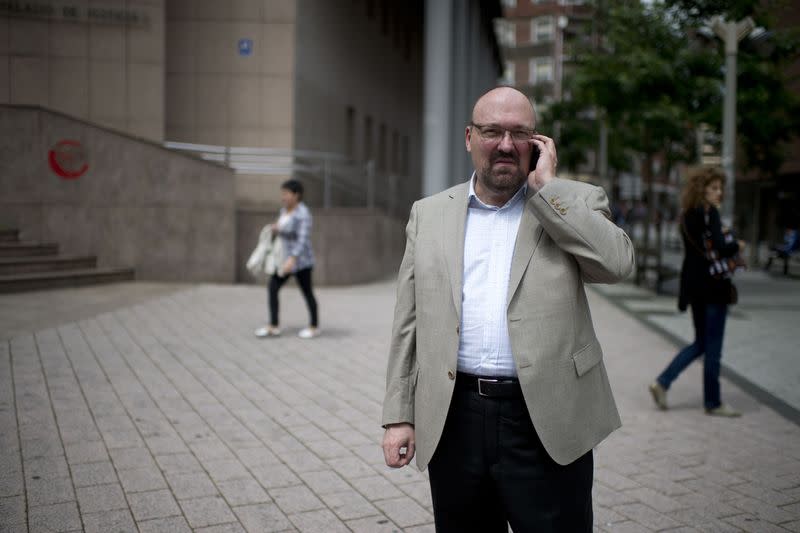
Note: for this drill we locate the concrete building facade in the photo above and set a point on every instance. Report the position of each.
(358, 93)
(101, 61)
(292, 75)
(230, 79)
(365, 101)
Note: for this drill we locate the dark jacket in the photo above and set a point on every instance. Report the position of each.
(697, 284)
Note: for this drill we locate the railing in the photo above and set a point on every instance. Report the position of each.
(345, 183)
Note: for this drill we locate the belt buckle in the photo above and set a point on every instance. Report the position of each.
(487, 380)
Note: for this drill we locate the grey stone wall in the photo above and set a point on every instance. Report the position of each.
(168, 215)
(350, 245)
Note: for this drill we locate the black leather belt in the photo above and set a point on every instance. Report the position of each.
(488, 386)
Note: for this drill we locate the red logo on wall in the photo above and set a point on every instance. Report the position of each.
(68, 159)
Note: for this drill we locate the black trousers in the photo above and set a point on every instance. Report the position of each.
(304, 280)
(490, 470)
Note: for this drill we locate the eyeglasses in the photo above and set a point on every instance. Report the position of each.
(493, 132)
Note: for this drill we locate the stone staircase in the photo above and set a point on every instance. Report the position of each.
(27, 266)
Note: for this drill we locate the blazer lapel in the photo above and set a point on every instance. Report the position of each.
(454, 220)
(528, 235)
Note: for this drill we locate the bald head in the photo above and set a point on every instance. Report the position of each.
(504, 104)
(499, 144)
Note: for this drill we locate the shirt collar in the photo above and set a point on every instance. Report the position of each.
(474, 201)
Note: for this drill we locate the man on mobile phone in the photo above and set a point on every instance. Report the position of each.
(495, 378)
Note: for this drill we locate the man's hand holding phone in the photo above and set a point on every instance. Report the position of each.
(544, 161)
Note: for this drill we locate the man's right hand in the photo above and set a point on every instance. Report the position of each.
(398, 444)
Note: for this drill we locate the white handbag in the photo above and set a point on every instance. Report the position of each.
(272, 263)
(265, 257)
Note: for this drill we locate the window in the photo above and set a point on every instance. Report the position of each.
(511, 4)
(542, 29)
(541, 70)
(367, 138)
(407, 31)
(350, 133)
(404, 157)
(509, 73)
(382, 159)
(506, 32)
(395, 152)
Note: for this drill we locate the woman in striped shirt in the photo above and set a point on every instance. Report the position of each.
(294, 229)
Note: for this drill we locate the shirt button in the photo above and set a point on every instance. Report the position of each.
(450, 374)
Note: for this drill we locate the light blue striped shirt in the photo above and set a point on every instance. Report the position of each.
(484, 347)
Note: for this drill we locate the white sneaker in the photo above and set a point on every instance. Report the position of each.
(308, 333)
(271, 331)
(659, 395)
(724, 410)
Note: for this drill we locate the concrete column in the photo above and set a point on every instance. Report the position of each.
(437, 94)
(462, 58)
(459, 66)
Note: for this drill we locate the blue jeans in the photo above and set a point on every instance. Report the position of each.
(709, 329)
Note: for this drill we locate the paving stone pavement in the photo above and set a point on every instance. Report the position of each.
(760, 349)
(169, 415)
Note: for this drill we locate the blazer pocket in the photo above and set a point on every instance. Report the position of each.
(587, 358)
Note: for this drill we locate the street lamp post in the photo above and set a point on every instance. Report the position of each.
(558, 82)
(558, 75)
(730, 33)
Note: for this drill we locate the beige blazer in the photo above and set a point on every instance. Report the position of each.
(565, 239)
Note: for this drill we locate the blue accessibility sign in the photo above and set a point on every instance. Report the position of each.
(245, 47)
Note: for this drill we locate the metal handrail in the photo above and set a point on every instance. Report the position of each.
(358, 184)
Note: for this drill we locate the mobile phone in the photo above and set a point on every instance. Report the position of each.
(534, 157)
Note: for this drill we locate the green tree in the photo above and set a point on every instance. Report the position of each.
(652, 87)
(654, 73)
(643, 78)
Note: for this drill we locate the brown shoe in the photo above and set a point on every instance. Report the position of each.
(659, 395)
(723, 410)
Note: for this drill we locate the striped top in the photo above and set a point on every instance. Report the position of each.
(294, 230)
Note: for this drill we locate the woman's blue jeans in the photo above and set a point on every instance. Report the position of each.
(709, 329)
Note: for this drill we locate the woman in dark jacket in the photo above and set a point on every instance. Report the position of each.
(707, 295)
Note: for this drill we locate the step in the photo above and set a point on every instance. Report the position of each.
(9, 235)
(45, 263)
(63, 278)
(27, 249)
